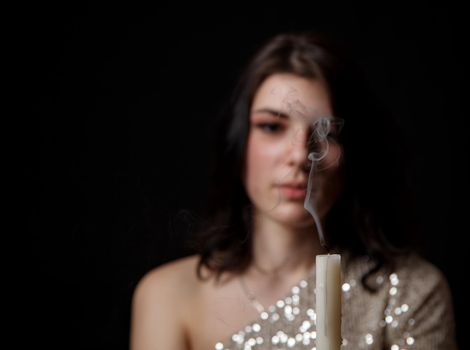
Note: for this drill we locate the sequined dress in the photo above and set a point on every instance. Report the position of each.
(412, 309)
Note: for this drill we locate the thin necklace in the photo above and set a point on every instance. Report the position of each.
(251, 297)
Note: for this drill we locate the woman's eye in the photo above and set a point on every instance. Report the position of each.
(269, 127)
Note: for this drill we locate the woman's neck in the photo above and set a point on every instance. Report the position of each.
(280, 249)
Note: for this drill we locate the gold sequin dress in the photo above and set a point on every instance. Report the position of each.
(412, 309)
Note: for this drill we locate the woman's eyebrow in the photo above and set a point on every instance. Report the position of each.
(273, 112)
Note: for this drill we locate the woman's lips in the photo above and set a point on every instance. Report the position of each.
(293, 192)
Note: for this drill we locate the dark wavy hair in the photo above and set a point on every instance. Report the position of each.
(372, 215)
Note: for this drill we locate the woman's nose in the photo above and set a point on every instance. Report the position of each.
(299, 148)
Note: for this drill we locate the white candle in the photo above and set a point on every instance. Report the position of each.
(328, 301)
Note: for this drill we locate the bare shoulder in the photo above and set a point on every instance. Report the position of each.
(172, 279)
(160, 303)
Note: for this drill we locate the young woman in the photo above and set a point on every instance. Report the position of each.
(251, 285)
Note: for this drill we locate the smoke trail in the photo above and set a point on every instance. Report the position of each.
(323, 128)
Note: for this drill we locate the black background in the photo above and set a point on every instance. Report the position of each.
(114, 144)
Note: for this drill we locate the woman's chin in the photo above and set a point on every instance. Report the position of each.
(295, 215)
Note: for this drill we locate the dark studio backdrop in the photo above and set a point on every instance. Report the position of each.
(120, 155)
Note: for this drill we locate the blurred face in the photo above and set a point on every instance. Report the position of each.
(287, 122)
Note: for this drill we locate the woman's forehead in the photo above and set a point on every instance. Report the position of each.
(293, 96)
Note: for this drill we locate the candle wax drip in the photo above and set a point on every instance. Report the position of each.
(326, 296)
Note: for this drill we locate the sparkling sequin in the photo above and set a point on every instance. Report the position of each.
(290, 342)
(237, 338)
(288, 310)
(305, 326)
(290, 323)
